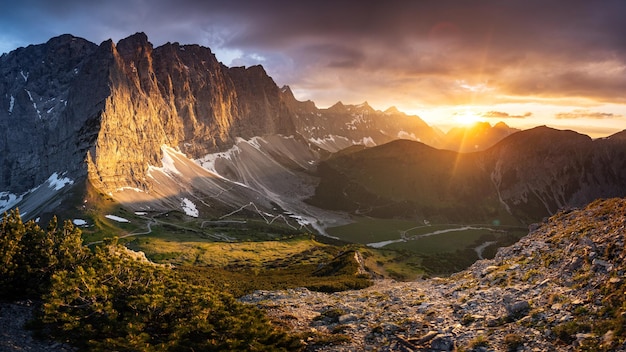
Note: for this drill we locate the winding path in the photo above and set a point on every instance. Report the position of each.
(151, 221)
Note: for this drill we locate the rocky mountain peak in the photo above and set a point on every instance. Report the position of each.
(365, 106)
(392, 110)
(618, 136)
(337, 107)
(478, 136)
(118, 104)
(136, 42)
(501, 124)
(542, 137)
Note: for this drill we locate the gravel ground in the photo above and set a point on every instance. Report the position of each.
(13, 335)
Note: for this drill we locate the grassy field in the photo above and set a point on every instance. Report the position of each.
(437, 249)
(253, 248)
(368, 230)
(246, 254)
(452, 241)
(421, 238)
(197, 251)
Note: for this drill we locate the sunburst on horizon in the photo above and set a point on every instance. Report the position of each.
(466, 118)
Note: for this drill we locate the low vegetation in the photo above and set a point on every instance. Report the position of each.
(433, 249)
(109, 298)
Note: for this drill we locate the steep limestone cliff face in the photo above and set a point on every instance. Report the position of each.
(72, 107)
(180, 96)
(39, 116)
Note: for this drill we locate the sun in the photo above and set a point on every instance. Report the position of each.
(466, 117)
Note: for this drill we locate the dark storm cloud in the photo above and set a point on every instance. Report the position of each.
(391, 49)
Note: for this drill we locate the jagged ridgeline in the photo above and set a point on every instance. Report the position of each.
(172, 129)
(115, 115)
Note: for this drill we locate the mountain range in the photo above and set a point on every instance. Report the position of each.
(172, 129)
(524, 177)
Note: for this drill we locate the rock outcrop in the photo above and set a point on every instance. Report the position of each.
(179, 96)
(44, 107)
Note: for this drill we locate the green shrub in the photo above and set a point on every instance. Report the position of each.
(30, 255)
(566, 332)
(112, 300)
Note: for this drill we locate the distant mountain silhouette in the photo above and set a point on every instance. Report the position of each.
(523, 178)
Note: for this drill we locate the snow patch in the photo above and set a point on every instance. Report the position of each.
(189, 207)
(141, 213)
(208, 161)
(366, 141)
(116, 218)
(301, 220)
(168, 164)
(79, 222)
(8, 200)
(24, 76)
(168, 168)
(56, 182)
(30, 96)
(11, 104)
(255, 142)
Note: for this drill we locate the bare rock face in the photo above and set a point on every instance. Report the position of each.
(70, 106)
(341, 126)
(180, 96)
(542, 170)
(38, 118)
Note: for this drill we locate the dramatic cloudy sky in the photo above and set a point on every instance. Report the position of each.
(527, 63)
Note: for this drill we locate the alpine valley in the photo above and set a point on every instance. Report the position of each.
(220, 173)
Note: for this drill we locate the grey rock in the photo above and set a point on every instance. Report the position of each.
(347, 318)
(518, 307)
(599, 264)
(443, 342)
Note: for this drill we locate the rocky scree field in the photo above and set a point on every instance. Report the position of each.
(560, 288)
